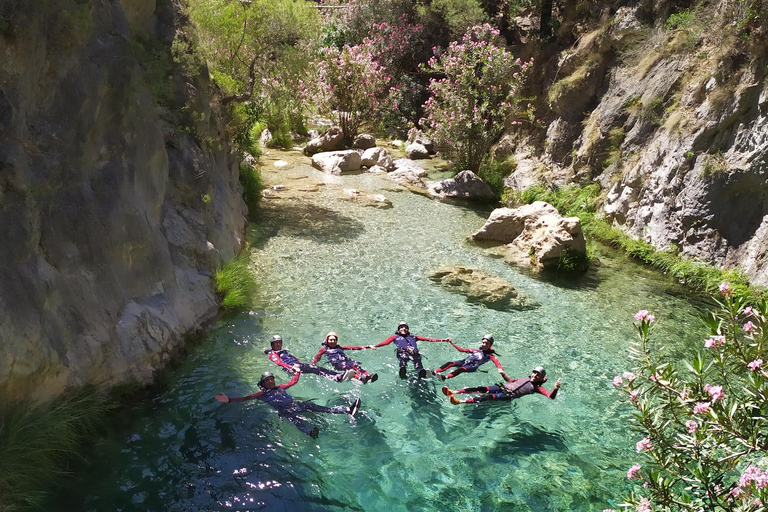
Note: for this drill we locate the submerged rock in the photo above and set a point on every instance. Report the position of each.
(481, 287)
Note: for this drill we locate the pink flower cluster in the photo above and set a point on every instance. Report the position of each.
(725, 289)
(644, 315)
(633, 471)
(755, 365)
(714, 342)
(749, 327)
(716, 392)
(691, 425)
(755, 475)
(644, 445)
(701, 408)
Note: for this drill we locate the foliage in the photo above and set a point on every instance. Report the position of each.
(691, 273)
(493, 173)
(570, 201)
(235, 284)
(459, 15)
(680, 20)
(37, 441)
(350, 87)
(704, 425)
(250, 180)
(259, 52)
(469, 107)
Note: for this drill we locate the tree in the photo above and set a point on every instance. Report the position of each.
(705, 427)
(470, 105)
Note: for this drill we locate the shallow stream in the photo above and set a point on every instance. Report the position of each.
(324, 262)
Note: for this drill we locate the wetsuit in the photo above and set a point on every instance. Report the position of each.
(287, 361)
(509, 390)
(287, 407)
(340, 361)
(471, 363)
(406, 349)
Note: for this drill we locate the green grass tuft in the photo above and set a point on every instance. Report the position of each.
(250, 180)
(38, 441)
(235, 284)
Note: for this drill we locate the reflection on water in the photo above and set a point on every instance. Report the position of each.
(325, 263)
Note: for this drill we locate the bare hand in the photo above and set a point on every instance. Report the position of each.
(448, 340)
(221, 397)
(557, 384)
(372, 347)
(296, 367)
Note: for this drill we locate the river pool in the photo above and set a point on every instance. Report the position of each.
(325, 262)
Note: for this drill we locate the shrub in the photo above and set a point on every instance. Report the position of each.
(702, 426)
(250, 180)
(469, 106)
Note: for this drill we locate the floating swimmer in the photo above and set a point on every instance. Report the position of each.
(340, 361)
(290, 363)
(407, 349)
(509, 390)
(286, 406)
(479, 357)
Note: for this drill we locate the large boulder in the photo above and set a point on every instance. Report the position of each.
(535, 234)
(337, 162)
(331, 140)
(465, 185)
(406, 171)
(416, 151)
(364, 141)
(481, 287)
(506, 224)
(377, 156)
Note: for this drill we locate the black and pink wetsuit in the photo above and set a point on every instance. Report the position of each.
(509, 390)
(287, 407)
(340, 361)
(407, 349)
(287, 361)
(471, 363)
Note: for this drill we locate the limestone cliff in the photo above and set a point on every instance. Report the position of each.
(664, 104)
(118, 194)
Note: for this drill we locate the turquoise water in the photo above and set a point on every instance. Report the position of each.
(324, 263)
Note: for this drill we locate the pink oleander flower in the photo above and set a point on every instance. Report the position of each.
(701, 408)
(617, 381)
(629, 376)
(725, 289)
(644, 445)
(633, 395)
(714, 342)
(645, 506)
(644, 314)
(691, 426)
(748, 311)
(753, 474)
(633, 471)
(684, 393)
(716, 392)
(755, 365)
(749, 327)
(735, 492)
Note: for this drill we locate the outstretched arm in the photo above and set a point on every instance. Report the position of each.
(355, 348)
(385, 342)
(460, 349)
(498, 365)
(291, 382)
(550, 394)
(275, 358)
(420, 338)
(221, 397)
(318, 355)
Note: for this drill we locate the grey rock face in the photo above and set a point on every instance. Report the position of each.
(112, 220)
(337, 162)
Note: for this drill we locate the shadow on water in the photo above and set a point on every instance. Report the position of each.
(307, 221)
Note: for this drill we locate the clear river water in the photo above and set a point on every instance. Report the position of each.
(324, 262)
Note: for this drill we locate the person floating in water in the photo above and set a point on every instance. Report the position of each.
(340, 361)
(406, 349)
(290, 363)
(285, 405)
(509, 390)
(470, 364)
